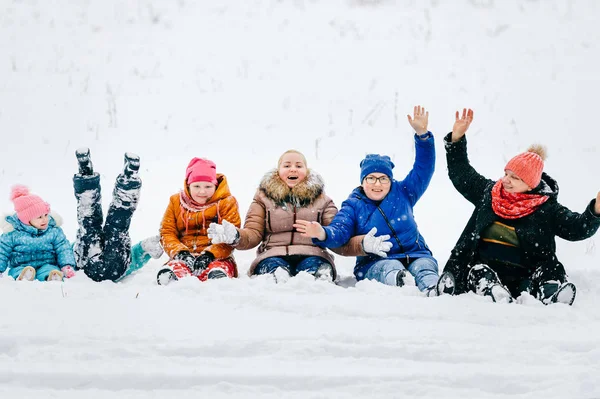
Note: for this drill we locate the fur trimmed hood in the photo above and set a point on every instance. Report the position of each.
(8, 221)
(303, 194)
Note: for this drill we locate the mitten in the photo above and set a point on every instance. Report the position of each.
(68, 271)
(187, 258)
(225, 233)
(376, 245)
(203, 261)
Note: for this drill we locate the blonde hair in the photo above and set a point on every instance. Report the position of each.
(291, 152)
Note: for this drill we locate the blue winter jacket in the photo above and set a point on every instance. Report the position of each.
(359, 214)
(24, 245)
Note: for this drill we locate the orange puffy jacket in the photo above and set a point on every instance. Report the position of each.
(182, 229)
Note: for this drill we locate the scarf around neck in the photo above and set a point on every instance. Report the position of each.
(514, 205)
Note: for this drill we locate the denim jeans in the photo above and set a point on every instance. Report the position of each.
(293, 264)
(424, 270)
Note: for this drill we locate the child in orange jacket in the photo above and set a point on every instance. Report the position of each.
(205, 199)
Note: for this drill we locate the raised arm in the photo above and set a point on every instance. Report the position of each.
(464, 177)
(417, 180)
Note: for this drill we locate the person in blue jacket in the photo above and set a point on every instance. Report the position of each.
(382, 204)
(33, 246)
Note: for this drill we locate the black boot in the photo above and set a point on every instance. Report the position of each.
(85, 163)
(400, 278)
(445, 284)
(132, 164)
(216, 273)
(555, 292)
(129, 178)
(165, 276)
(485, 281)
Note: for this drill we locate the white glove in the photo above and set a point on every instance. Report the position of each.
(225, 233)
(376, 245)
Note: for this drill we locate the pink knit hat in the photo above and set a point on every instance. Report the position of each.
(529, 165)
(200, 169)
(28, 206)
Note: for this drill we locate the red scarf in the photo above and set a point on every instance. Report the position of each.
(514, 205)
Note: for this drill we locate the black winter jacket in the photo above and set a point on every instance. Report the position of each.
(536, 232)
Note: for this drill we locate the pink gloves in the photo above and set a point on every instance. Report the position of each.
(68, 271)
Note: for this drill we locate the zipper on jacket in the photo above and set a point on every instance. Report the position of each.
(269, 220)
(293, 229)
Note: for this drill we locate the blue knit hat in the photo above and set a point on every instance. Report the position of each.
(375, 163)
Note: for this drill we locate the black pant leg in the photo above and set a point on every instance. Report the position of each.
(117, 247)
(89, 244)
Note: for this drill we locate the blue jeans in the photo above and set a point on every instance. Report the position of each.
(424, 270)
(293, 264)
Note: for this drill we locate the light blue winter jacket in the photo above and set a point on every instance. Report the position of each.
(24, 245)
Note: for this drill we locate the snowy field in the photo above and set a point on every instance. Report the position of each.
(240, 82)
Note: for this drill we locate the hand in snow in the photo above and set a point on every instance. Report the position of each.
(225, 233)
(376, 245)
(68, 271)
(461, 124)
(420, 120)
(310, 229)
(597, 206)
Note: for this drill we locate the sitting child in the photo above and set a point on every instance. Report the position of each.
(33, 246)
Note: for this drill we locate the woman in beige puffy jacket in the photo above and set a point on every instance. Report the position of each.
(286, 194)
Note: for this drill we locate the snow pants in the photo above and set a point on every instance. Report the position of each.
(104, 252)
(181, 270)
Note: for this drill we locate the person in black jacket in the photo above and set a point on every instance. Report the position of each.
(508, 245)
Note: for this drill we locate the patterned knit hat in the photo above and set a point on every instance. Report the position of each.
(375, 163)
(28, 206)
(200, 169)
(529, 165)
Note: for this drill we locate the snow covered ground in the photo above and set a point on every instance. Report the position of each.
(240, 82)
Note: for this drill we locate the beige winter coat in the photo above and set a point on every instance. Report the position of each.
(273, 212)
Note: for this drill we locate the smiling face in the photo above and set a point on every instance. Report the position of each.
(40, 223)
(202, 191)
(376, 191)
(513, 183)
(292, 169)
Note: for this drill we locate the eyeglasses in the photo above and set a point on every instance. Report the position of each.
(383, 180)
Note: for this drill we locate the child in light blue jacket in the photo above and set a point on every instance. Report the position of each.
(33, 246)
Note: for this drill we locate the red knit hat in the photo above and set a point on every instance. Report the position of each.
(200, 169)
(28, 206)
(529, 165)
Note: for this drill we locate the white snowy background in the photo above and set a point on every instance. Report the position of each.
(240, 82)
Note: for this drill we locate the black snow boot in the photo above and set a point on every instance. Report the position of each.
(400, 278)
(445, 284)
(85, 163)
(216, 273)
(555, 292)
(485, 281)
(165, 276)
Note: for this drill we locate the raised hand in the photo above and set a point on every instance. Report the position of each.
(310, 229)
(225, 233)
(420, 120)
(376, 245)
(461, 124)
